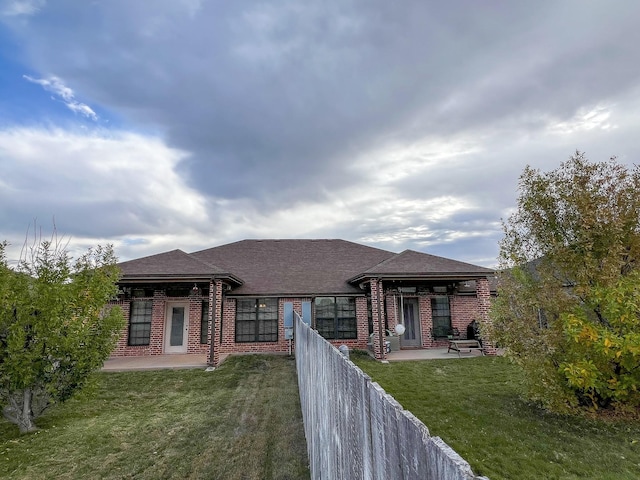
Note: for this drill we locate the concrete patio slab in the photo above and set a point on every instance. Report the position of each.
(429, 354)
(155, 362)
(175, 361)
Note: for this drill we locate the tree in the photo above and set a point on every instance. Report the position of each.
(568, 306)
(55, 328)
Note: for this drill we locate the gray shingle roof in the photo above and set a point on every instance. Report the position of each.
(175, 263)
(411, 263)
(297, 267)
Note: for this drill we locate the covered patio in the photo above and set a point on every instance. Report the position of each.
(440, 353)
(155, 362)
(180, 361)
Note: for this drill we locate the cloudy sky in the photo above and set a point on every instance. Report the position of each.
(192, 123)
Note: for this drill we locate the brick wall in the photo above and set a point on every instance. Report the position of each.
(228, 344)
(195, 325)
(158, 321)
(121, 347)
(463, 309)
(215, 321)
(426, 322)
(484, 304)
(362, 316)
(378, 314)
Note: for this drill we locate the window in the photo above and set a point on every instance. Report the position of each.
(204, 323)
(336, 317)
(257, 320)
(441, 315)
(140, 322)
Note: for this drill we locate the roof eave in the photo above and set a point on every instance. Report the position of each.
(458, 276)
(173, 278)
(355, 293)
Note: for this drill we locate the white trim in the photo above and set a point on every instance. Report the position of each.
(167, 328)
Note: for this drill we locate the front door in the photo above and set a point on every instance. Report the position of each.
(177, 328)
(411, 321)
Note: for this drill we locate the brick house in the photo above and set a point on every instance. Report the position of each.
(237, 298)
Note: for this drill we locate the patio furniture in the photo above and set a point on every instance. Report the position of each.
(470, 345)
(391, 343)
(473, 330)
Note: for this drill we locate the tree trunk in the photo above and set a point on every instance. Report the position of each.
(19, 412)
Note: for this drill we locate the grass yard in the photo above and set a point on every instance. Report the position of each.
(242, 421)
(473, 405)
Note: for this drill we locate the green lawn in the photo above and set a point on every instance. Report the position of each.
(473, 405)
(242, 421)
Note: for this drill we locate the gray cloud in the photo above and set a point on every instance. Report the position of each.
(286, 105)
(258, 89)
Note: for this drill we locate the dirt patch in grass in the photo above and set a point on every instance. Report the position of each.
(474, 406)
(242, 421)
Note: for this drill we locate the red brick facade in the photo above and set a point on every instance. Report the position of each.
(484, 305)
(156, 344)
(463, 309)
(222, 317)
(378, 318)
(228, 345)
(176, 285)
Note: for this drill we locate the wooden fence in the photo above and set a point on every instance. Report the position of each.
(355, 430)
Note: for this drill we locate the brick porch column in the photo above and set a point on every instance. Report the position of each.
(484, 303)
(377, 312)
(215, 321)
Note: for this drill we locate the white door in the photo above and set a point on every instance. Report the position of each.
(176, 331)
(411, 320)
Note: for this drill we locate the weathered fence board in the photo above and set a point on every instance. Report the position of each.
(355, 430)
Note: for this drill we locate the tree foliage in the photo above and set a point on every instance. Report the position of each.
(55, 328)
(568, 306)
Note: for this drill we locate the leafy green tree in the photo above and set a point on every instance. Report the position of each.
(568, 306)
(55, 328)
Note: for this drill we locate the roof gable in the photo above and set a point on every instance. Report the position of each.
(175, 263)
(412, 263)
